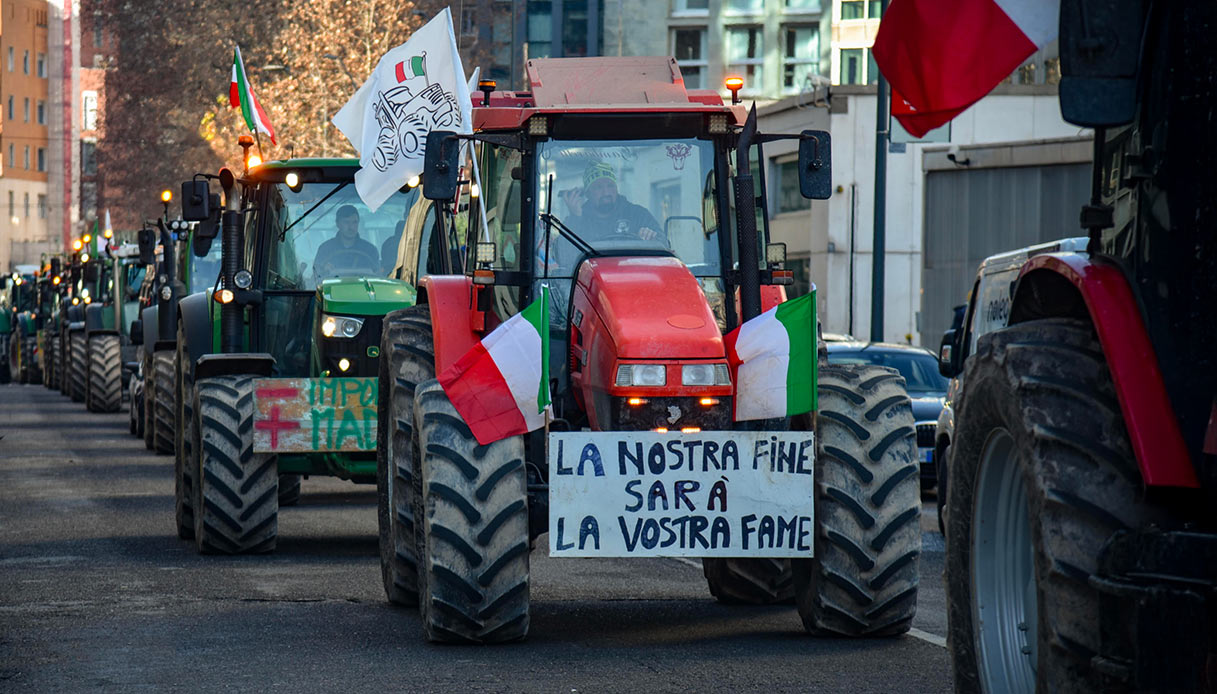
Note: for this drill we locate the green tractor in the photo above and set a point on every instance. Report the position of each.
(184, 264)
(107, 330)
(277, 369)
(49, 303)
(91, 279)
(22, 311)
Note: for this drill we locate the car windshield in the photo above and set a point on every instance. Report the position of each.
(204, 271)
(324, 230)
(641, 195)
(920, 369)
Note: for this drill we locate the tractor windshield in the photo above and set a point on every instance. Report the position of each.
(324, 230)
(627, 196)
(203, 271)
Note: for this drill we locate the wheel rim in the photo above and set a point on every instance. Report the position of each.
(1003, 573)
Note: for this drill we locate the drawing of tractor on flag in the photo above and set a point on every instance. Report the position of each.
(405, 117)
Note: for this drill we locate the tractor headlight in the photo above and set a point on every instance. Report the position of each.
(705, 375)
(641, 375)
(341, 326)
(166, 293)
(243, 279)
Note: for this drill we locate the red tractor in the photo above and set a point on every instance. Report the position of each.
(633, 200)
(1081, 525)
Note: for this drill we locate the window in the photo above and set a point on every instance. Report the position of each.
(745, 6)
(42, 64)
(25, 62)
(10, 107)
(10, 60)
(41, 112)
(860, 9)
(745, 54)
(89, 110)
(12, 209)
(872, 68)
(88, 157)
(689, 47)
(852, 66)
(540, 29)
(787, 197)
(26, 108)
(12, 156)
(42, 158)
(693, 6)
(469, 21)
(802, 5)
(27, 205)
(41, 206)
(801, 56)
(97, 37)
(27, 157)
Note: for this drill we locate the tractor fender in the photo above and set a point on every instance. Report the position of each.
(1072, 285)
(148, 316)
(450, 300)
(95, 320)
(194, 315)
(235, 364)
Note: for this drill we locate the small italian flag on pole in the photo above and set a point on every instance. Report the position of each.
(242, 95)
(414, 67)
(500, 387)
(774, 357)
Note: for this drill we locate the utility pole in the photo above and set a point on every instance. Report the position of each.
(880, 240)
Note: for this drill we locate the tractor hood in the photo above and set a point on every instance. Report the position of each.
(365, 296)
(651, 307)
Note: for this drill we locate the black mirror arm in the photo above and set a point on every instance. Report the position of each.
(775, 137)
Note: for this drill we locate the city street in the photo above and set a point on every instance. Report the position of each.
(97, 593)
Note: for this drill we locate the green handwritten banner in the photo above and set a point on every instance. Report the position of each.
(304, 415)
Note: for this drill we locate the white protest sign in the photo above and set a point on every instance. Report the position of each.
(706, 494)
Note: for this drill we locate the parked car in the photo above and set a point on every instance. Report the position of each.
(988, 309)
(924, 384)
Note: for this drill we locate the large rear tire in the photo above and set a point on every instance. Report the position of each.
(863, 579)
(105, 391)
(749, 581)
(47, 371)
(236, 502)
(407, 358)
(162, 400)
(64, 352)
(473, 582)
(1041, 475)
(78, 366)
(184, 460)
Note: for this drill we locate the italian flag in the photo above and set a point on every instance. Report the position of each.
(414, 67)
(774, 359)
(500, 387)
(942, 56)
(241, 94)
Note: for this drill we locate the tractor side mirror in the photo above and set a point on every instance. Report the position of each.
(815, 165)
(137, 332)
(91, 272)
(947, 355)
(56, 266)
(210, 228)
(201, 245)
(146, 238)
(196, 200)
(440, 166)
(1100, 47)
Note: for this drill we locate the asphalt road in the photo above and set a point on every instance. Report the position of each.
(97, 593)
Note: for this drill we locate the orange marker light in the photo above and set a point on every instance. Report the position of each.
(662, 430)
(225, 296)
(734, 84)
(706, 402)
(635, 402)
(166, 195)
(690, 430)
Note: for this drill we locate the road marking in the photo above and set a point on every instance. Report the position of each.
(690, 562)
(928, 637)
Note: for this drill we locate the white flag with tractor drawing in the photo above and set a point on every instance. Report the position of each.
(416, 88)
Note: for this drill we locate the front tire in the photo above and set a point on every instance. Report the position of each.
(749, 581)
(236, 502)
(184, 460)
(407, 358)
(162, 401)
(473, 582)
(105, 391)
(1041, 475)
(289, 489)
(145, 403)
(863, 579)
(78, 365)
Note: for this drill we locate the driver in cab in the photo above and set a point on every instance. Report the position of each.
(346, 252)
(600, 213)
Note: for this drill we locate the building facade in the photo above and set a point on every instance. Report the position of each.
(25, 67)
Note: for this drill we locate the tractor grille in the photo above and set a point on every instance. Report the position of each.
(925, 435)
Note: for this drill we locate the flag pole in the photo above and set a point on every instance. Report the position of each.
(880, 232)
(258, 139)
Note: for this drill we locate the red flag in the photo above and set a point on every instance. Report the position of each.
(942, 56)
